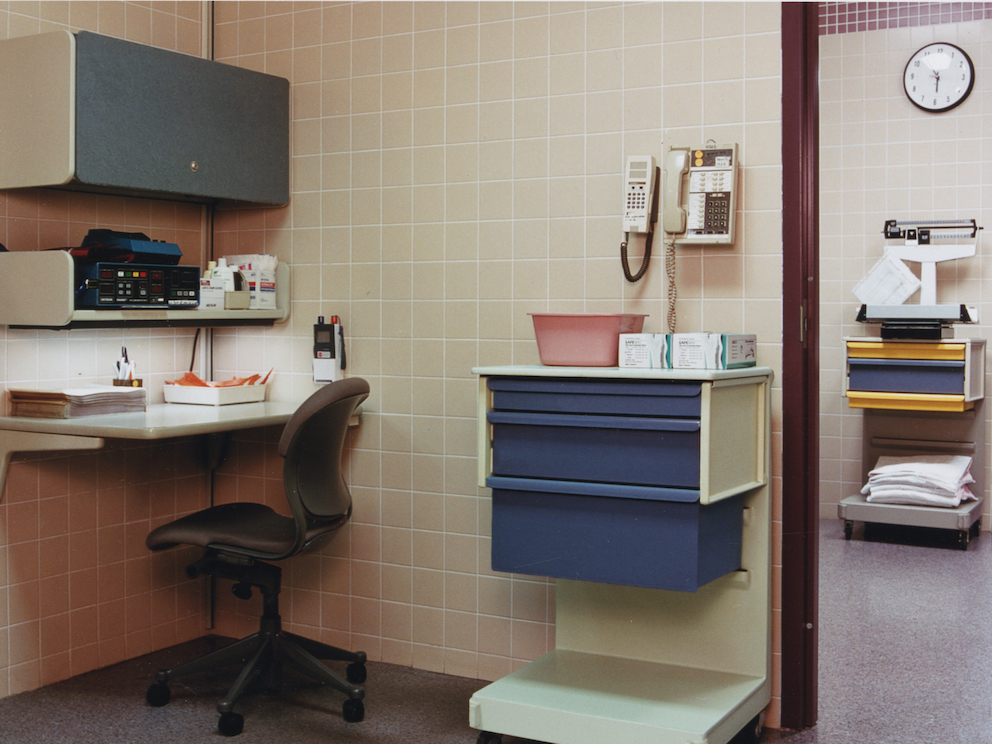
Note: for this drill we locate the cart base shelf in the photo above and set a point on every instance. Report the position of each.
(572, 697)
(965, 519)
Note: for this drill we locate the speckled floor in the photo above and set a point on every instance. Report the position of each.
(108, 707)
(905, 658)
(905, 639)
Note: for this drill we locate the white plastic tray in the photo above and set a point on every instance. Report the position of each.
(213, 396)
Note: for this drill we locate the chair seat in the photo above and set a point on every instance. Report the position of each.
(254, 527)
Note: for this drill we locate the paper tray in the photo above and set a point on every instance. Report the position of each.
(213, 396)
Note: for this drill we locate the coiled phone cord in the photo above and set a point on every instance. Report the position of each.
(669, 270)
(644, 263)
(672, 290)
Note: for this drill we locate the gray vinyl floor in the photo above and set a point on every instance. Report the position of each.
(905, 658)
(905, 639)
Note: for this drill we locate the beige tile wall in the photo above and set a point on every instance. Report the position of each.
(882, 158)
(78, 588)
(456, 166)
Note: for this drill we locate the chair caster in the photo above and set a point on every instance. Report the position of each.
(356, 673)
(353, 710)
(230, 724)
(158, 695)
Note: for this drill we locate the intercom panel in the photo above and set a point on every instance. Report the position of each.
(701, 194)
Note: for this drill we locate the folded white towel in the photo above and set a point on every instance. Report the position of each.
(919, 497)
(925, 480)
(942, 470)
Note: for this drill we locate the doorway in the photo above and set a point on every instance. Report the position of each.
(800, 363)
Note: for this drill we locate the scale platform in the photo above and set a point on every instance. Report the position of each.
(917, 322)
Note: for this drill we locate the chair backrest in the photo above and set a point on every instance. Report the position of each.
(312, 444)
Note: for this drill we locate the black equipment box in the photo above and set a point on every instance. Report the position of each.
(105, 285)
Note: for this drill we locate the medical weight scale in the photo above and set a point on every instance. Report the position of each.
(901, 421)
(923, 243)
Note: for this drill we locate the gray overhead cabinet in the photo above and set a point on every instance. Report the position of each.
(94, 113)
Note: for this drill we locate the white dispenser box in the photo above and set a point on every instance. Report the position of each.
(211, 295)
(644, 350)
(712, 350)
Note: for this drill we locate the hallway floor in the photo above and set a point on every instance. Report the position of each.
(905, 658)
(905, 639)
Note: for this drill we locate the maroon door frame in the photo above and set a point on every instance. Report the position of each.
(800, 363)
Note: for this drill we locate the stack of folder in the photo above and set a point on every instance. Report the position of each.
(72, 402)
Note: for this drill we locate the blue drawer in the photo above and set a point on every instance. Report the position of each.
(604, 449)
(650, 537)
(906, 376)
(608, 397)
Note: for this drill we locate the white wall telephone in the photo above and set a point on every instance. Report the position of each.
(639, 208)
(701, 209)
(639, 193)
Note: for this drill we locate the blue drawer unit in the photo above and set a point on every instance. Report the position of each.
(937, 377)
(594, 396)
(603, 449)
(658, 538)
(619, 479)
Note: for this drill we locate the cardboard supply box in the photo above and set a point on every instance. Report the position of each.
(712, 350)
(644, 350)
(211, 295)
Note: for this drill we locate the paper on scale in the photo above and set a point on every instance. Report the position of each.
(890, 282)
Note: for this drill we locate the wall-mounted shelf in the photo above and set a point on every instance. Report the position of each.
(36, 291)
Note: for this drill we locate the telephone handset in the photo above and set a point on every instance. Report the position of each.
(639, 209)
(701, 209)
(676, 165)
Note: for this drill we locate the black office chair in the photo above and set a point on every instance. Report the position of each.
(239, 537)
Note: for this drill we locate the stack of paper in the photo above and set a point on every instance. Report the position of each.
(926, 480)
(72, 402)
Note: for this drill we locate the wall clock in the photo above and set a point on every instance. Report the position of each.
(939, 77)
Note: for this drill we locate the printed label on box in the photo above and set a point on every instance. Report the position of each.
(211, 297)
(739, 350)
(643, 350)
(712, 350)
(695, 351)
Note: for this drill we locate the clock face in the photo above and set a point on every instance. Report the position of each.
(939, 77)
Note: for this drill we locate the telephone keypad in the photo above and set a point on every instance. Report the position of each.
(709, 202)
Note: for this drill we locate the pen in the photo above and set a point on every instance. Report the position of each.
(125, 369)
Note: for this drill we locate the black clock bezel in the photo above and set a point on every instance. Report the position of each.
(962, 99)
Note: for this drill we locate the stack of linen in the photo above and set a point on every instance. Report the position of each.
(928, 480)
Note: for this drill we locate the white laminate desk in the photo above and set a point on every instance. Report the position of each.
(160, 421)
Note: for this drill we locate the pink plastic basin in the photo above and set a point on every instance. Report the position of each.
(582, 339)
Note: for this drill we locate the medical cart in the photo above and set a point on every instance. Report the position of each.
(646, 494)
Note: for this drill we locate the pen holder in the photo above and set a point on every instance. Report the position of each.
(127, 383)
